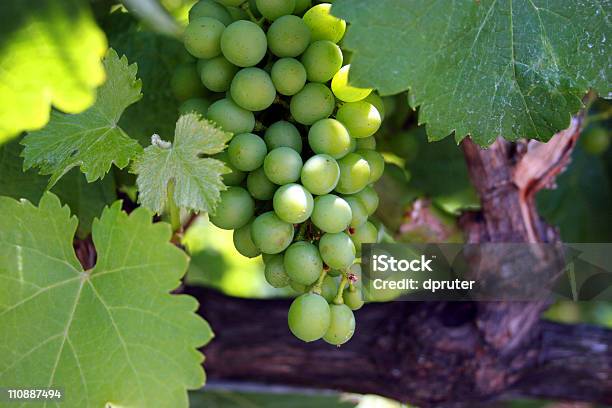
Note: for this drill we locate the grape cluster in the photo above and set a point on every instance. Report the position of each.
(303, 155)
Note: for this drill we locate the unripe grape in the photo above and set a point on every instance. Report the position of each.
(301, 6)
(342, 325)
(235, 209)
(202, 37)
(322, 59)
(288, 36)
(185, 82)
(369, 198)
(194, 105)
(323, 25)
(361, 118)
(243, 242)
(303, 263)
(309, 317)
(328, 136)
(312, 103)
(320, 174)
(337, 250)
(217, 74)
(231, 117)
(366, 143)
(288, 76)
(353, 298)
(253, 89)
(331, 213)
(273, 9)
(376, 162)
(244, 43)
(298, 287)
(247, 151)
(259, 186)
(235, 176)
(275, 273)
(354, 174)
(378, 103)
(345, 92)
(283, 134)
(293, 203)
(359, 214)
(365, 234)
(212, 9)
(283, 165)
(271, 234)
(329, 288)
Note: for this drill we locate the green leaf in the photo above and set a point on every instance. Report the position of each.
(86, 200)
(484, 68)
(50, 54)
(197, 181)
(92, 139)
(111, 334)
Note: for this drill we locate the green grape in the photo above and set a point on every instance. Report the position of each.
(360, 118)
(312, 103)
(202, 37)
(259, 186)
(365, 234)
(231, 3)
(378, 103)
(298, 287)
(331, 213)
(309, 317)
(329, 288)
(196, 105)
(273, 9)
(293, 203)
(320, 174)
(323, 25)
(212, 9)
(235, 209)
(353, 146)
(265, 257)
(369, 198)
(328, 136)
(235, 176)
(247, 151)
(231, 117)
(200, 63)
(303, 262)
(288, 76)
(596, 140)
(283, 134)
(254, 9)
(185, 83)
(342, 325)
(337, 250)
(253, 89)
(271, 234)
(345, 92)
(366, 143)
(322, 59)
(376, 162)
(275, 273)
(301, 6)
(334, 272)
(217, 74)
(237, 13)
(243, 242)
(353, 298)
(283, 165)
(244, 43)
(288, 36)
(354, 174)
(359, 214)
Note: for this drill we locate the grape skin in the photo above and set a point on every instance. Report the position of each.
(273, 9)
(337, 250)
(288, 76)
(331, 213)
(275, 273)
(283, 134)
(212, 9)
(342, 325)
(202, 37)
(252, 89)
(354, 174)
(360, 118)
(293, 203)
(369, 198)
(365, 234)
(358, 211)
(329, 288)
(243, 242)
(323, 25)
(314, 102)
(235, 176)
(345, 92)
(375, 161)
(231, 117)
(322, 59)
(247, 151)
(271, 234)
(320, 174)
(283, 165)
(235, 209)
(309, 317)
(259, 186)
(217, 74)
(328, 136)
(303, 263)
(244, 43)
(288, 36)
(185, 82)
(196, 105)
(353, 298)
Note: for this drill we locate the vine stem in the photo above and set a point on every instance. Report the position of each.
(173, 209)
(338, 300)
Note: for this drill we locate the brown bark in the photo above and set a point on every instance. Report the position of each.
(435, 353)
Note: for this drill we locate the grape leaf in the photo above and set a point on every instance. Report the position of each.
(515, 68)
(50, 54)
(111, 334)
(86, 200)
(92, 139)
(197, 181)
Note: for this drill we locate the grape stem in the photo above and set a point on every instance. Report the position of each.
(316, 288)
(338, 300)
(173, 210)
(245, 6)
(281, 102)
(302, 232)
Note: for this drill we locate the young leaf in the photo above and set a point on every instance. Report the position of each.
(197, 181)
(116, 334)
(92, 139)
(484, 68)
(50, 54)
